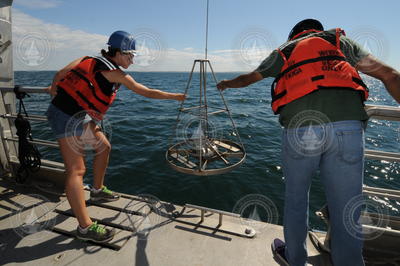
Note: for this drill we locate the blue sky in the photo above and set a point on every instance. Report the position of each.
(178, 28)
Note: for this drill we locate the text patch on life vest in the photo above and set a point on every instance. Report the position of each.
(329, 53)
(293, 73)
(331, 66)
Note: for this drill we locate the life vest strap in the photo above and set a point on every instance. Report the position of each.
(360, 82)
(83, 78)
(308, 61)
(316, 78)
(91, 86)
(313, 79)
(276, 96)
(354, 79)
(91, 105)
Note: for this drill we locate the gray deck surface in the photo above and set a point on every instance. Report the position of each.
(145, 236)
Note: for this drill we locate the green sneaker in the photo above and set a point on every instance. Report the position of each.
(96, 233)
(104, 194)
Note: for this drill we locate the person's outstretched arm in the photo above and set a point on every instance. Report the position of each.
(389, 76)
(121, 77)
(240, 81)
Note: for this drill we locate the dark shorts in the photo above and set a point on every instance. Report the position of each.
(64, 125)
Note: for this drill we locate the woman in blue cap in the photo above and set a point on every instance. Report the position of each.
(83, 91)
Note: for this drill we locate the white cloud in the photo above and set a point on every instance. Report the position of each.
(38, 4)
(182, 60)
(44, 46)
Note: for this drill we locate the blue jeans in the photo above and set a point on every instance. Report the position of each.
(340, 160)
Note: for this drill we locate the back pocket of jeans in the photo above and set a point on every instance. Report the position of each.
(351, 145)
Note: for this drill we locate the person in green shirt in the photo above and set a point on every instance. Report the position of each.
(323, 130)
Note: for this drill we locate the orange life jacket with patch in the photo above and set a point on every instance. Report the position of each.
(80, 83)
(313, 62)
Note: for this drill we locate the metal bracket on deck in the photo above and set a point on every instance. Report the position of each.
(208, 221)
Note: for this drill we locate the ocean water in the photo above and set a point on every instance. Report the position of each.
(142, 128)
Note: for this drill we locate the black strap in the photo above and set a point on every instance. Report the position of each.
(354, 79)
(326, 35)
(91, 105)
(316, 78)
(91, 86)
(308, 61)
(275, 96)
(360, 82)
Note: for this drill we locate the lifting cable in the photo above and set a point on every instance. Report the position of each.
(28, 154)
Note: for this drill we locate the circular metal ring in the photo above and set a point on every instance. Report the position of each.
(185, 161)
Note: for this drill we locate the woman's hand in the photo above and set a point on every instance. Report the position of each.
(50, 90)
(222, 85)
(178, 96)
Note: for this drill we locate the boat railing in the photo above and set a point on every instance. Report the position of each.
(8, 112)
(41, 118)
(374, 112)
(390, 113)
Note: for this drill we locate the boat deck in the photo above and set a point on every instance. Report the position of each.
(37, 228)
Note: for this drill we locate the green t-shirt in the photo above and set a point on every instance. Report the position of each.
(337, 104)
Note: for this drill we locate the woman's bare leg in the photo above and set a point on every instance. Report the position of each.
(102, 149)
(75, 170)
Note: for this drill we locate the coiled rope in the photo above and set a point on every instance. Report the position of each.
(28, 154)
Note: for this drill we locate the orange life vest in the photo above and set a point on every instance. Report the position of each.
(311, 63)
(80, 83)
